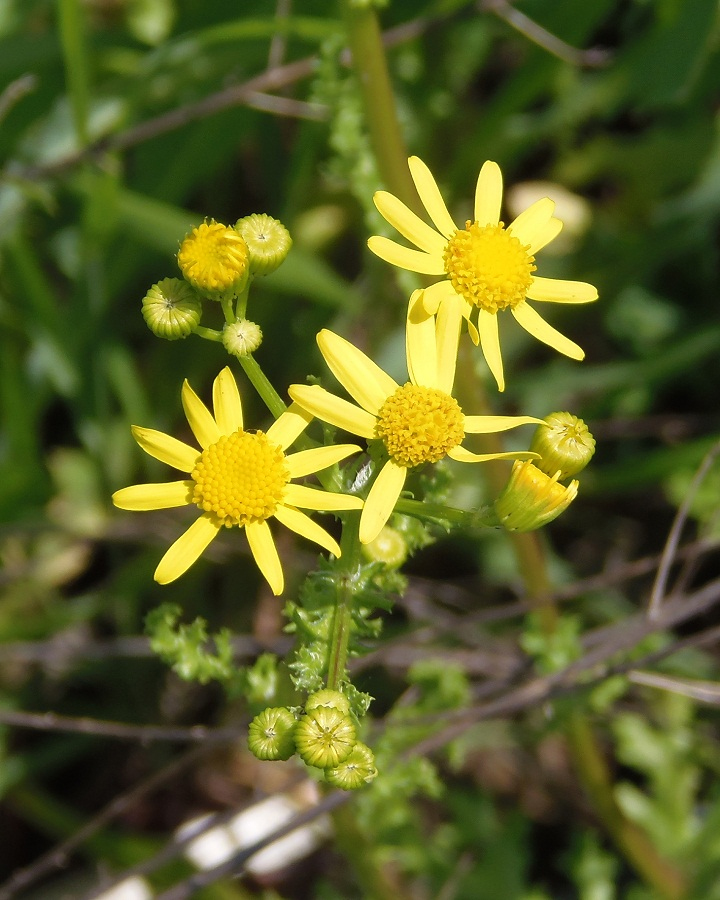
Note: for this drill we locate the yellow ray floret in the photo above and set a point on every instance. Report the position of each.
(418, 422)
(237, 478)
(487, 266)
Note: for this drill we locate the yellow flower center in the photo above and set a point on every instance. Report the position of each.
(213, 257)
(419, 424)
(489, 266)
(240, 478)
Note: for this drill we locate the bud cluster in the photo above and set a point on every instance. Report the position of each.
(324, 735)
(534, 494)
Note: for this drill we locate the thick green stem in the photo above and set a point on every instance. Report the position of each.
(345, 589)
(259, 381)
(485, 517)
(370, 67)
(210, 334)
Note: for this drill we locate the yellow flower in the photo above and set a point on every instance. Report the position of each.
(238, 478)
(418, 422)
(488, 266)
(214, 260)
(531, 498)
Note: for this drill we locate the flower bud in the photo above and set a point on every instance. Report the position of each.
(171, 309)
(241, 338)
(564, 443)
(268, 242)
(271, 734)
(531, 498)
(214, 260)
(357, 770)
(325, 737)
(333, 699)
(389, 547)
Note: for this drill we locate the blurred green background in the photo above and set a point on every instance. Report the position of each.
(621, 126)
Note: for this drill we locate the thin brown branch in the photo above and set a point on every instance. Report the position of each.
(595, 57)
(49, 721)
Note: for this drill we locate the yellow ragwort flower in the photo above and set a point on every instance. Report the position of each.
(418, 422)
(487, 265)
(214, 260)
(238, 478)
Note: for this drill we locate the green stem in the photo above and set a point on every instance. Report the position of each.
(242, 300)
(345, 589)
(210, 334)
(370, 66)
(259, 381)
(227, 308)
(485, 517)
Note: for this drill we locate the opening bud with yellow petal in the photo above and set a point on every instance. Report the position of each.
(531, 498)
(326, 697)
(268, 242)
(241, 338)
(171, 309)
(564, 443)
(271, 734)
(325, 737)
(214, 259)
(389, 547)
(356, 771)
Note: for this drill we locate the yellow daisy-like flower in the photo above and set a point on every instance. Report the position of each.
(238, 478)
(487, 265)
(418, 422)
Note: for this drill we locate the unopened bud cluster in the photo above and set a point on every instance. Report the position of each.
(218, 262)
(323, 735)
(534, 495)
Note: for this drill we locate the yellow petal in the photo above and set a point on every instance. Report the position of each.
(286, 429)
(308, 461)
(226, 403)
(472, 330)
(203, 425)
(186, 550)
(449, 321)
(490, 344)
(420, 343)
(539, 328)
(332, 409)
(536, 226)
(434, 295)
(314, 498)
(488, 194)
(381, 500)
(462, 455)
(431, 197)
(408, 224)
(304, 525)
(265, 554)
(492, 424)
(556, 290)
(363, 379)
(405, 258)
(154, 496)
(167, 449)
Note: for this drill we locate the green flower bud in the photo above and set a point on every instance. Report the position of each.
(389, 547)
(531, 498)
(357, 770)
(564, 443)
(171, 309)
(271, 734)
(241, 338)
(214, 259)
(325, 737)
(268, 242)
(333, 699)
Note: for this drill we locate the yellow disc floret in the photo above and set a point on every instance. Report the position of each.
(214, 259)
(489, 266)
(240, 478)
(419, 424)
